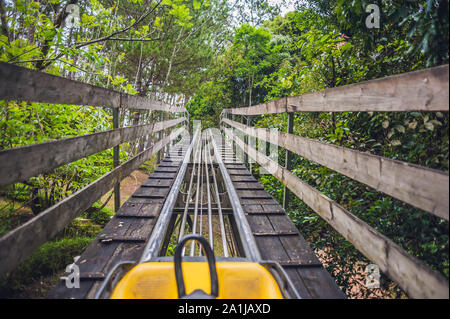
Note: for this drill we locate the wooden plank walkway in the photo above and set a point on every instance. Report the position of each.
(125, 236)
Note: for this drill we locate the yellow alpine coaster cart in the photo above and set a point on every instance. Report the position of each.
(233, 278)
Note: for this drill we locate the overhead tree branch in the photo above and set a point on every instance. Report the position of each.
(43, 63)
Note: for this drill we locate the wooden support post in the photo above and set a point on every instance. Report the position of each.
(288, 162)
(116, 160)
(164, 154)
(189, 125)
(249, 123)
(233, 144)
(158, 157)
(245, 119)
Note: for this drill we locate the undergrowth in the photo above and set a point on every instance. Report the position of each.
(41, 271)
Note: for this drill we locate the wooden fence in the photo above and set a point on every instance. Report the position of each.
(19, 164)
(424, 188)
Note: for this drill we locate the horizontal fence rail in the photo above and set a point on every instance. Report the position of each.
(21, 163)
(419, 186)
(424, 188)
(410, 273)
(18, 244)
(22, 84)
(425, 90)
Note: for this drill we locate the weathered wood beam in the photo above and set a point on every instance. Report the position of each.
(22, 241)
(408, 272)
(21, 163)
(22, 84)
(425, 90)
(422, 187)
(116, 161)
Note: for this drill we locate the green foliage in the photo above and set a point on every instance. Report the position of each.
(423, 25)
(80, 228)
(98, 215)
(207, 104)
(12, 215)
(28, 123)
(327, 45)
(149, 166)
(255, 12)
(420, 138)
(23, 123)
(52, 257)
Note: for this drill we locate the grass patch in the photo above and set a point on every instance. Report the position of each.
(50, 259)
(12, 215)
(149, 166)
(98, 216)
(42, 270)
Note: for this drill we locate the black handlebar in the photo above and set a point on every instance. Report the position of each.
(211, 263)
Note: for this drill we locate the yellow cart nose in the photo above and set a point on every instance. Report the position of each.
(237, 280)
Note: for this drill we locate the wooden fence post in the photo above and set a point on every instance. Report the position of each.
(158, 158)
(249, 123)
(245, 119)
(233, 144)
(116, 160)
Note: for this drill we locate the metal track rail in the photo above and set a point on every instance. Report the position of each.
(155, 241)
(188, 198)
(219, 206)
(194, 229)
(248, 241)
(203, 189)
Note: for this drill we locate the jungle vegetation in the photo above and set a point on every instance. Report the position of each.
(209, 55)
